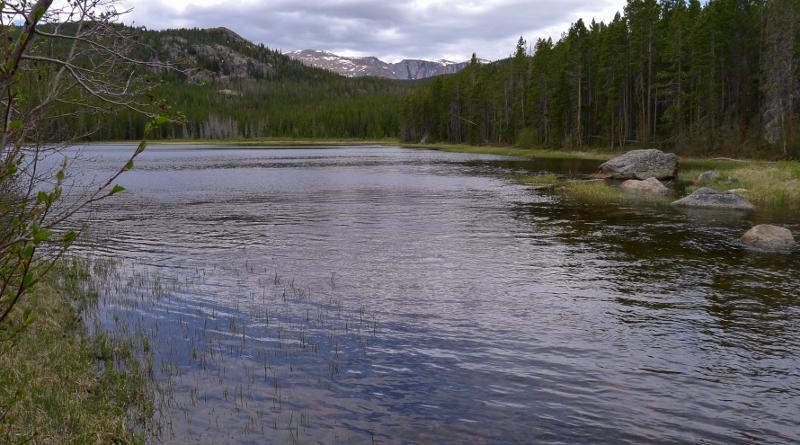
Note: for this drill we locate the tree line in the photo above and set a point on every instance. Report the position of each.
(228, 87)
(718, 77)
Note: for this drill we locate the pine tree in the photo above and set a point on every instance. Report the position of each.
(779, 72)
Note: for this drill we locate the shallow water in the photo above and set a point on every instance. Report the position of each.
(387, 295)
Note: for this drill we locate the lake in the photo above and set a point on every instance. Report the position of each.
(398, 296)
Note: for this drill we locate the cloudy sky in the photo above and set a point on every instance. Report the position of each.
(389, 29)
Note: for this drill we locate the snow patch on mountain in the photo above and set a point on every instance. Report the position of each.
(408, 69)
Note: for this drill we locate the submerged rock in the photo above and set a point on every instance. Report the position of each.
(707, 198)
(709, 176)
(641, 164)
(648, 186)
(768, 237)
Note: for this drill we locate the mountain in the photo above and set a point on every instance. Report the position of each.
(220, 54)
(229, 87)
(408, 69)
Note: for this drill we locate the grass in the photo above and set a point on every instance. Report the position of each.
(515, 151)
(58, 384)
(277, 142)
(538, 181)
(774, 185)
(599, 192)
(768, 185)
(589, 192)
(599, 155)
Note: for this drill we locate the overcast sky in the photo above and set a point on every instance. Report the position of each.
(391, 29)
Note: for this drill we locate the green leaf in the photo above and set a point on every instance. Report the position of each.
(161, 120)
(39, 13)
(41, 235)
(128, 166)
(11, 169)
(69, 238)
(141, 147)
(27, 252)
(60, 176)
(16, 124)
(28, 280)
(42, 197)
(117, 189)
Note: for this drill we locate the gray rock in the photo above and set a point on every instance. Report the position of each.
(707, 198)
(648, 186)
(641, 164)
(708, 176)
(770, 238)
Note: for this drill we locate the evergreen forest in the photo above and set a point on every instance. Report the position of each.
(716, 77)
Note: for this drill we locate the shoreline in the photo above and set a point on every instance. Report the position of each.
(60, 379)
(592, 153)
(598, 154)
(769, 184)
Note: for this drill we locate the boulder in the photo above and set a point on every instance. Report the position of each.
(649, 186)
(709, 176)
(770, 238)
(707, 198)
(641, 164)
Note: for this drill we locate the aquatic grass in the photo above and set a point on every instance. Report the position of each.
(770, 185)
(247, 355)
(600, 192)
(597, 192)
(774, 185)
(61, 384)
(541, 153)
(537, 181)
(594, 192)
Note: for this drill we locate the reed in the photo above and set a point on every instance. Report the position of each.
(61, 383)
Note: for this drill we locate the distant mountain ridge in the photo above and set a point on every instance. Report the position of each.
(229, 87)
(408, 69)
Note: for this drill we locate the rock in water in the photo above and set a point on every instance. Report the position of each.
(648, 186)
(707, 198)
(771, 238)
(641, 164)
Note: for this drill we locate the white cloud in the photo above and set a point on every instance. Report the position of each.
(391, 30)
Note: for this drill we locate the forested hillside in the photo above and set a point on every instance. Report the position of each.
(229, 87)
(712, 77)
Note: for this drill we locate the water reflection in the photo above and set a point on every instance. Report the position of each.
(399, 296)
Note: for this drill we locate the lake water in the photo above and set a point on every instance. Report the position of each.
(395, 296)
